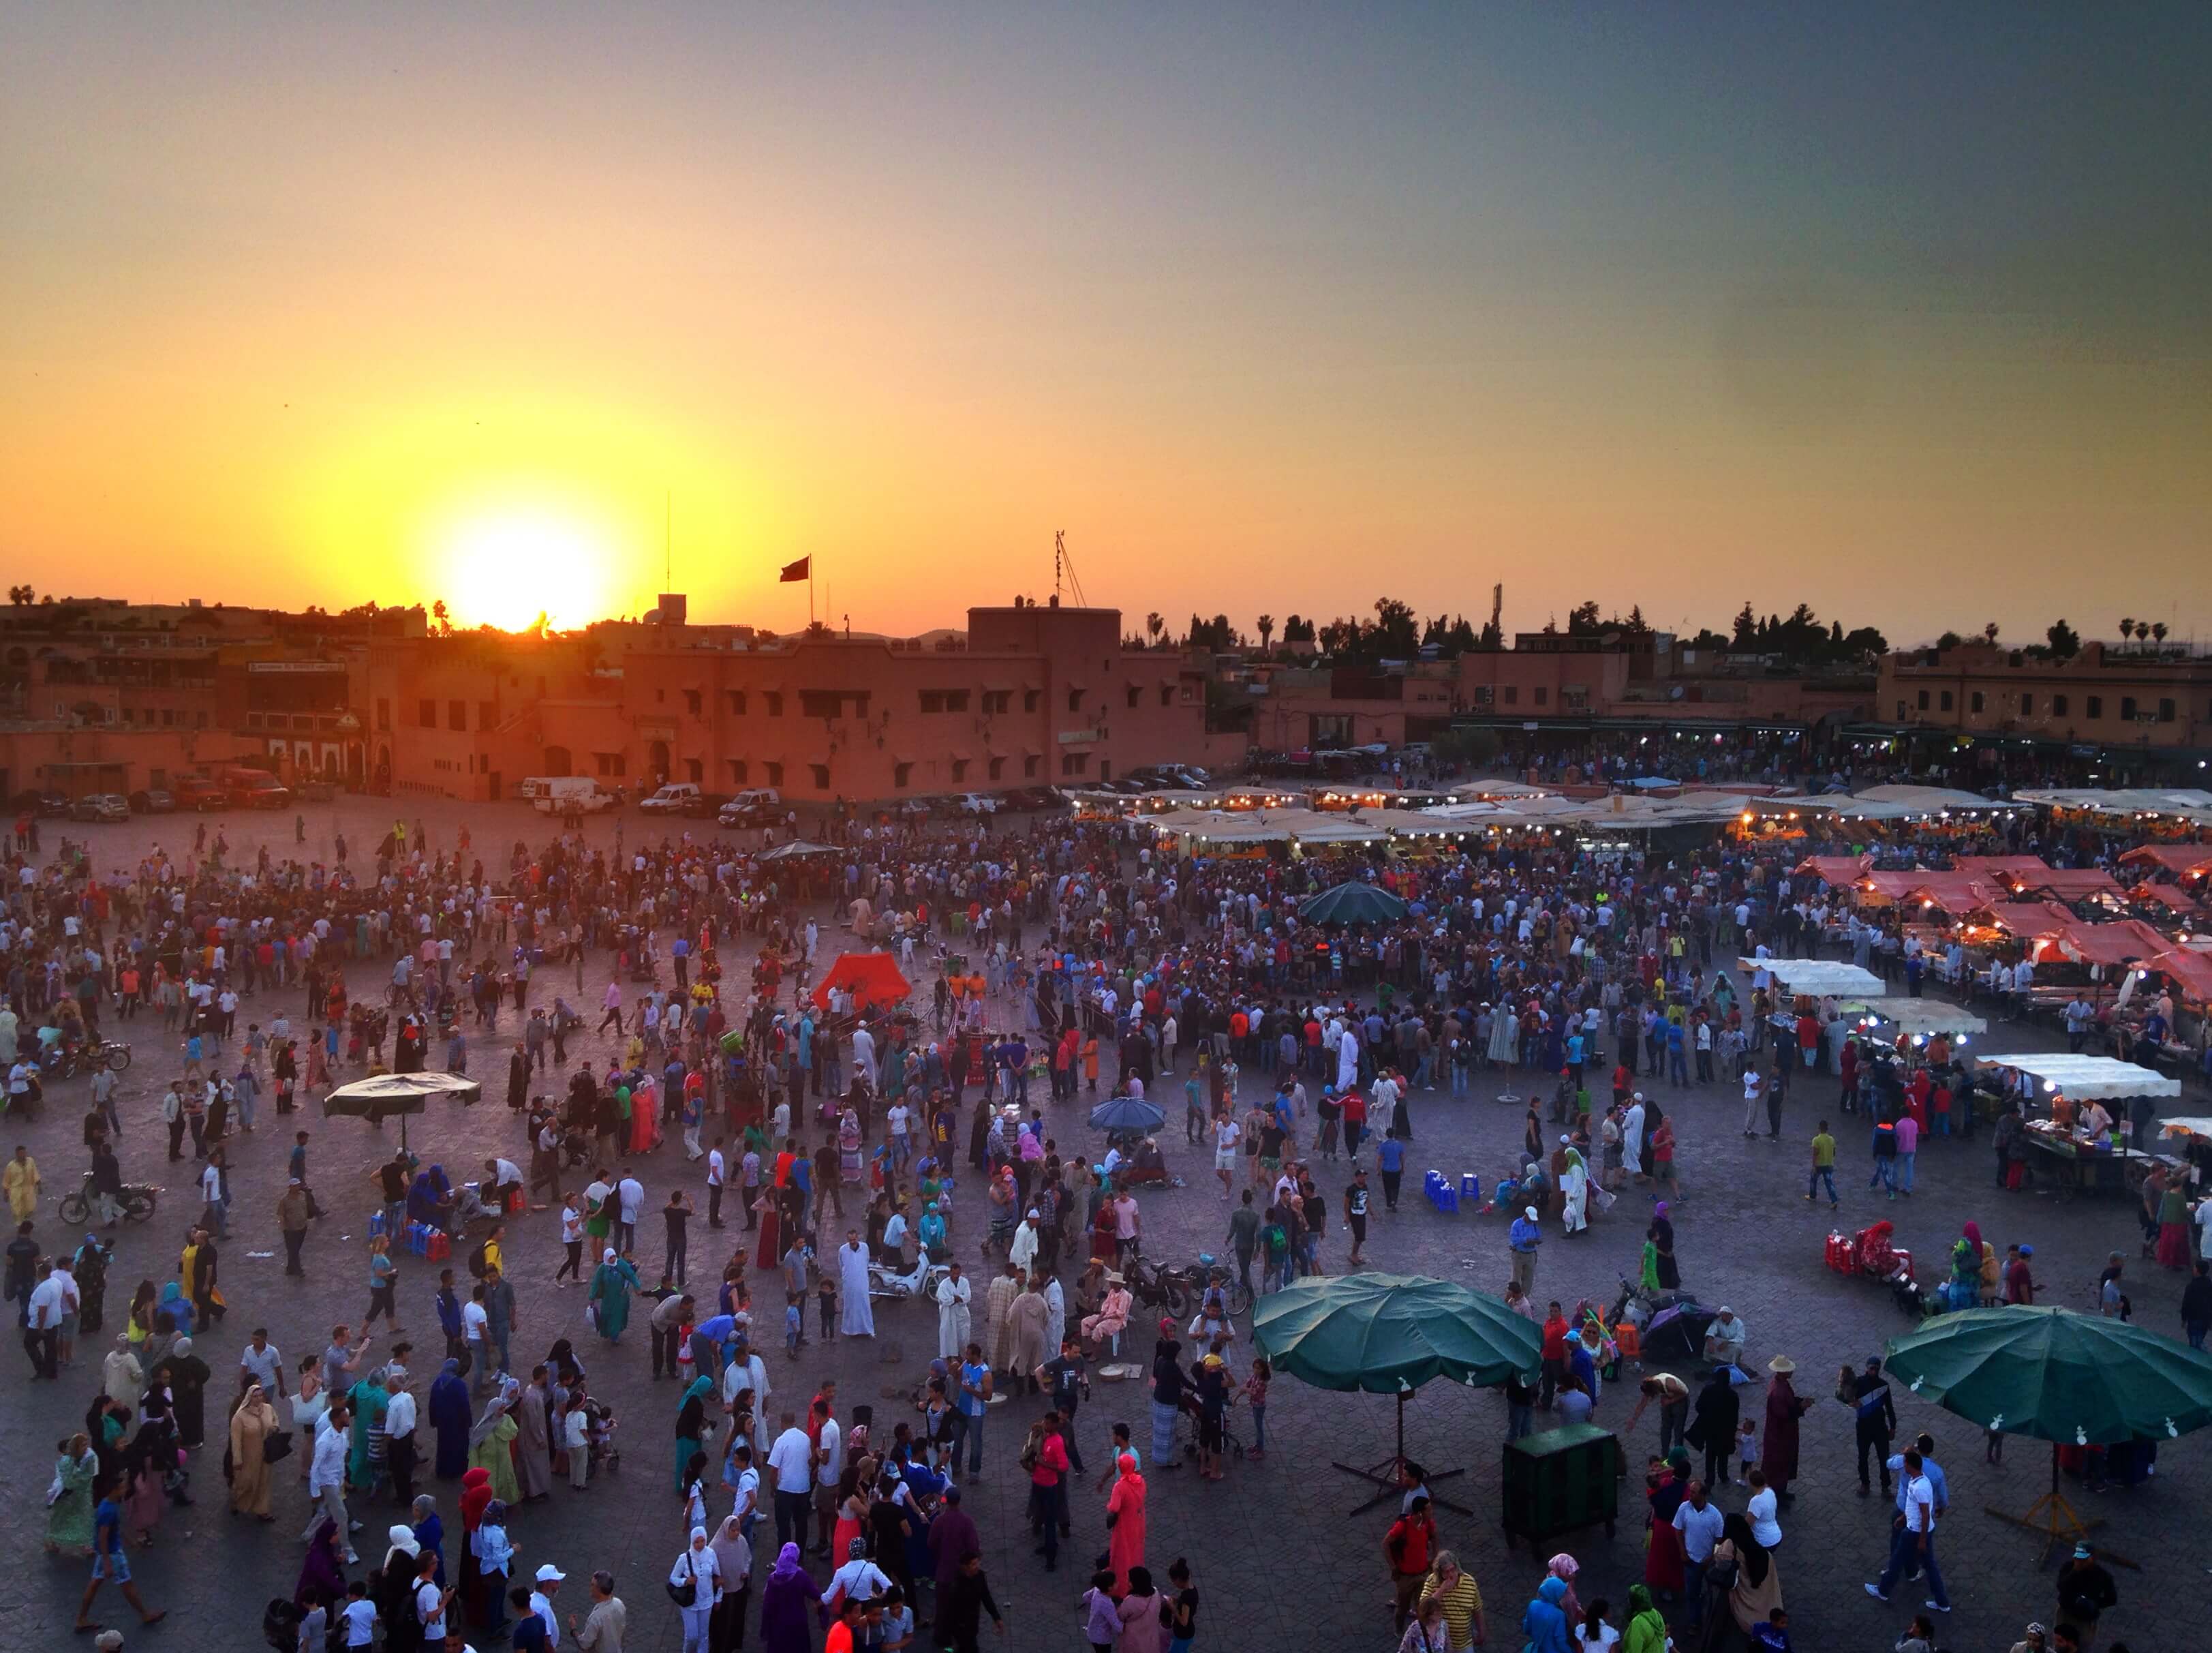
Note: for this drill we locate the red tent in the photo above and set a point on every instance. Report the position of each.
(2182, 860)
(2068, 883)
(872, 978)
(1837, 871)
(2193, 969)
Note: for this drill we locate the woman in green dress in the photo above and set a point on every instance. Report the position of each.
(68, 1517)
(370, 1400)
(611, 1284)
(491, 1449)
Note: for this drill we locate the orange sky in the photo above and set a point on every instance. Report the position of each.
(424, 305)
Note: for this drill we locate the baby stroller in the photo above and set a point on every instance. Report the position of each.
(605, 1453)
(1232, 1444)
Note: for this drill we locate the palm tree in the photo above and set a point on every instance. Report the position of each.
(1989, 632)
(1153, 626)
(437, 613)
(2127, 629)
(2158, 630)
(20, 595)
(1267, 627)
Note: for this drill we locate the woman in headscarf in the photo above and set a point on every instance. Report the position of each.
(611, 1284)
(691, 1424)
(449, 1417)
(250, 1426)
(1647, 1626)
(491, 1449)
(930, 1233)
(89, 1270)
(1124, 1521)
(476, 1498)
(733, 1566)
(172, 1318)
(1662, 1556)
(1574, 1186)
(68, 1517)
(1660, 1259)
(370, 1399)
(1757, 1588)
(1139, 1611)
(1544, 1621)
(430, 1198)
(1564, 1567)
(392, 1587)
(786, 1625)
(495, 1558)
(322, 1575)
(430, 1532)
(188, 1380)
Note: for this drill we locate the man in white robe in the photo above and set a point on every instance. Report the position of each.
(856, 1315)
(953, 1293)
(1632, 1137)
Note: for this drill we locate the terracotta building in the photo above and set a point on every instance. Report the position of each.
(2155, 699)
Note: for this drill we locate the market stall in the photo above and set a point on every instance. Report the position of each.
(2067, 1148)
(1816, 977)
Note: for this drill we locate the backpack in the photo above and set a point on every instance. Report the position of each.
(480, 1259)
(1274, 1239)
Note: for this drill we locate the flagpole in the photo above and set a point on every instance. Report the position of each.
(810, 592)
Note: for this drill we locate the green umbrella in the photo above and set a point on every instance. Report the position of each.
(1352, 904)
(2051, 1374)
(2056, 1376)
(1389, 1334)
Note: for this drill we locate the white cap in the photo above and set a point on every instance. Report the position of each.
(549, 1574)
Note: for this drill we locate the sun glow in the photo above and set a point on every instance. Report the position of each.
(505, 565)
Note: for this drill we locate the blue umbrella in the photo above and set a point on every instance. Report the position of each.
(1128, 1114)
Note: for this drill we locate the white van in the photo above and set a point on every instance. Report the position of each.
(565, 794)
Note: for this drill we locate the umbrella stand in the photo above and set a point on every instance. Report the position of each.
(2052, 1519)
(1384, 1478)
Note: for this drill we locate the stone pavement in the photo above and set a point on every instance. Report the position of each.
(1746, 1237)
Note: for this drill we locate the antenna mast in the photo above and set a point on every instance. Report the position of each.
(1063, 570)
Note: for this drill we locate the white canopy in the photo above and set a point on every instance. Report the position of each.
(2194, 1127)
(1921, 1015)
(2088, 1077)
(1818, 977)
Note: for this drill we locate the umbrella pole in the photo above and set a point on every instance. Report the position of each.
(1385, 1479)
(2052, 1519)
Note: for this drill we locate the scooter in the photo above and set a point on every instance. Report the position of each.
(921, 1282)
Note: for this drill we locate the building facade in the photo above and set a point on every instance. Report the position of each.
(2153, 700)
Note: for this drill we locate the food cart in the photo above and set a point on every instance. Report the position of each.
(2072, 1157)
(1559, 1481)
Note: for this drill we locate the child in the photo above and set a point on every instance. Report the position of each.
(1182, 1610)
(1427, 1632)
(826, 1298)
(359, 1615)
(1940, 1105)
(1255, 1395)
(576, 1431)
(687, 1365)
(1101, 1620)
(1773, 1636)
(795, 1322)
(1746, 1446)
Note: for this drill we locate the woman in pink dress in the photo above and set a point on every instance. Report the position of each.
(1125, 1519)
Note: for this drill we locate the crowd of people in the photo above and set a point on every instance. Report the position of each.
(1076, 955)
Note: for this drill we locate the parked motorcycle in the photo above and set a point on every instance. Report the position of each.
(137, 1201)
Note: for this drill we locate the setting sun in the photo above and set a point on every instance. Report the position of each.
(504, 566)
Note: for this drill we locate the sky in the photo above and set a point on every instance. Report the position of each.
(1902, 311)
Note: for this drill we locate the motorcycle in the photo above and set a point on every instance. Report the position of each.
(137, 1202)
(107, 1054)
(919, 1281)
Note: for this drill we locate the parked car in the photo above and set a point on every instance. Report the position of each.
(153, 800)
(978, 803)
(677, 798)
(199, 792)
(915, 809)
(1035, 798)
(101, 806)
(42, 801)
(756, 807)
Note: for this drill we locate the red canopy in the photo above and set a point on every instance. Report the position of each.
(2180, 859)
(2193, 969)
(2129, 940)
(2068, 883)
(872, 978)
(2007, 867)
(1835, 870)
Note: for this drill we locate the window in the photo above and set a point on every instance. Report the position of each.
(1134, 692)
(2096, 704)
(1575, 696)
(775, 698)
(960, 769)
(695, 771)
(2059, 703)
(2127, 709)
(2027, 704)
(383, 713)
(775, 773)
(832, 703)
(998, 768)
(935, 700)
(2166, 711)
(1485, 694)
(1943, 702)
(1923, 699)
(736, 767)
(1030, 699)
(1542, 694)
(1974, 701)
(998, 700)
(694, 702)
(1073, 763)
(1030, 767)
(821, 777)
(426, 713)
(1167, 694)
(737, 701)
(901, 774)
(1512, 694)
(1075, 700)
(610, 762)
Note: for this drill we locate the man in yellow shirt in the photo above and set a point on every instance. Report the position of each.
(20, 1181)
(1824, 1166)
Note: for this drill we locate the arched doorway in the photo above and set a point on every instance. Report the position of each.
(657, 761)
(558, 761)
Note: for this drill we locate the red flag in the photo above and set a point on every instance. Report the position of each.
(798, 571)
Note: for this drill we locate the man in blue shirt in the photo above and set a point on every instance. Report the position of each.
(1524, 1236)
(1390, 1159)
